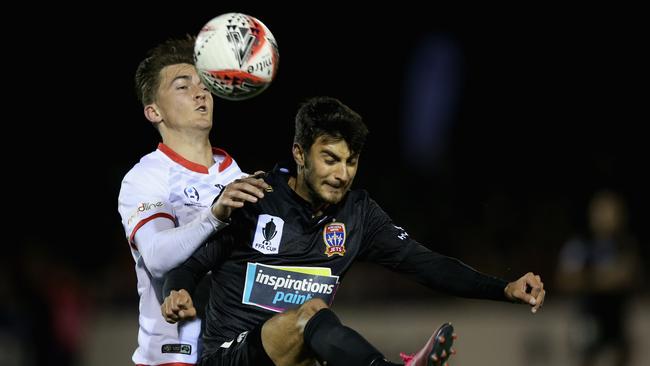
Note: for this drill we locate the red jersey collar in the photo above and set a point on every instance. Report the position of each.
(225, 163)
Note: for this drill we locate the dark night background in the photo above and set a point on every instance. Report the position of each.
(542, 110)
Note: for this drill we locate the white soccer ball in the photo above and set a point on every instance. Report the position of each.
(236, 56)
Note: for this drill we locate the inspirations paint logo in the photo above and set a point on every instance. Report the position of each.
(279, 288)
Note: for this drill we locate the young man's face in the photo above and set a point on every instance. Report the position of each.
(329, 169)
(182, 100)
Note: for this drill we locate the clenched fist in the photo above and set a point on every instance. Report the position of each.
(178, 306)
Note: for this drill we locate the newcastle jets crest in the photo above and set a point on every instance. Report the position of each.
(334, 238)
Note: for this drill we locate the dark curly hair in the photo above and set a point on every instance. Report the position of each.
(328, 116)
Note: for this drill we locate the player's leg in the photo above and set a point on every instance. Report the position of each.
(313, 331)
(282, 335)
(339, 345)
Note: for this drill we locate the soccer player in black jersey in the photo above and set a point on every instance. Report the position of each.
(276, 267)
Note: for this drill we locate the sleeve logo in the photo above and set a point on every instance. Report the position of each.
(268, 234)
(402, 233)
(143, 207)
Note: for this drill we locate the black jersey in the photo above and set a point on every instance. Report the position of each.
(276, 255)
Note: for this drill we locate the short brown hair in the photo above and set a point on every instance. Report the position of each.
(170, 52)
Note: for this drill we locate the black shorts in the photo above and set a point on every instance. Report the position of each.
(245, 350)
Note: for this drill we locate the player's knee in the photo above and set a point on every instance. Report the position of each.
(311, 307)
(307, 310)
(282, 335)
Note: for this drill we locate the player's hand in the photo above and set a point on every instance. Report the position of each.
(178, 306)
(529, 289)
(239, 191)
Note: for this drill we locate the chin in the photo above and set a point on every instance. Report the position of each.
(332, 198)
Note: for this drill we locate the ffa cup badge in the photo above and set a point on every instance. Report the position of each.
(334, 238)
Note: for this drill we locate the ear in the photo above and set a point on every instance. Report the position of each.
(152, 113)
(298, 154)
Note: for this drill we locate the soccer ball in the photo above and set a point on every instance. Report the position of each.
(236, 56)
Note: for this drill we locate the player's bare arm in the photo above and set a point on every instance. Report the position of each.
(528, 289)
(178, 306)
(239, 191)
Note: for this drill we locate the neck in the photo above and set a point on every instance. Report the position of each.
(194, 149)
(300, 186)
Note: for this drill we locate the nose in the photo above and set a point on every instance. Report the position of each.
(200, 93)
(342, 174)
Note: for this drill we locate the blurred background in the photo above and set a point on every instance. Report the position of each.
(493, 137)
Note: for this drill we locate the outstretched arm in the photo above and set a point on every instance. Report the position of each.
(392, 247)
(452, 276)
(449, 275)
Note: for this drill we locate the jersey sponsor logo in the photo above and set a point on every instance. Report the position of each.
(279, 288)
(334, 238)
(184, 349)
(268, 234)
(191, 193)
(143, 207)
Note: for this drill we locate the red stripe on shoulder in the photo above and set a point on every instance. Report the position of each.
(144, 221)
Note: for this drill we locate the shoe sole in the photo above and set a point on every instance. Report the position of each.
(446, 330)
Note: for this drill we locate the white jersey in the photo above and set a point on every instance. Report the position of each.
(167, 194)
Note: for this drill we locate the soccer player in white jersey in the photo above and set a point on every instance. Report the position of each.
(166, 200)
